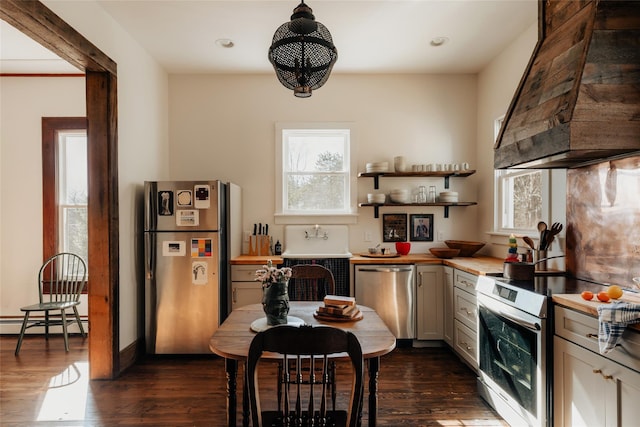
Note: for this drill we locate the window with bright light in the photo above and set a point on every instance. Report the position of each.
(521, 195)
(72, 192)
(314, 167)
(65, 186)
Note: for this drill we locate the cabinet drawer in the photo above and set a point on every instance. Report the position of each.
(466, 343)
(244, 273)
(464, 280)
(582, 329)
(465, 309)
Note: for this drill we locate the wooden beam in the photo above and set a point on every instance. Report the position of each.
(42, 25)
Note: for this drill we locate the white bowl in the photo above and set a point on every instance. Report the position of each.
(377, 167)
(399, 198)
(376, 198)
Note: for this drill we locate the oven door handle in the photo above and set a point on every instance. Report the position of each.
(533, 326)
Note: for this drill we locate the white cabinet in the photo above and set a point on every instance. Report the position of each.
(448, 304)
(244, 289)
(465, 317)
(430, 302)
(589, 388)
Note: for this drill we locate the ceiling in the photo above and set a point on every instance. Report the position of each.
(385, 36)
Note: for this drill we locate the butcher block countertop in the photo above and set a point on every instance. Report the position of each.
(478, 265)
(576, 302)
(256, 259)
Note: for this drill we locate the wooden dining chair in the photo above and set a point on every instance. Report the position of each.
(61, 280)
(306, 403)
(310, 282)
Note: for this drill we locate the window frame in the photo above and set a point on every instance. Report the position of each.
(284, 216)
(51, 126)
(501, 176)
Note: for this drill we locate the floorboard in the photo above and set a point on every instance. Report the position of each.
(45, 386)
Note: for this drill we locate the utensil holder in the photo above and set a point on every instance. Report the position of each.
(541, 266)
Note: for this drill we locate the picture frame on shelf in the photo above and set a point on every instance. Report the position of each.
(394, 227)
(421, 227)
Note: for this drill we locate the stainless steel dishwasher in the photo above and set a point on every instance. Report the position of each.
(390, 291)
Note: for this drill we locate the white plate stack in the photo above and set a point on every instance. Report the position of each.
(448, 197)
(400, 196)
(377, 167)
(376, 198)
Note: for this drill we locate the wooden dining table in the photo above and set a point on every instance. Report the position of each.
(233, 337)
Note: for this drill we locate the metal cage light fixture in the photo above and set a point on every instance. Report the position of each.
(302, 52)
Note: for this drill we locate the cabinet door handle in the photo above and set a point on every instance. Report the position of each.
(595, 336)
(606, 377)
(234, 295)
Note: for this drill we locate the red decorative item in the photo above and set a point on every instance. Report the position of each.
(403, 248)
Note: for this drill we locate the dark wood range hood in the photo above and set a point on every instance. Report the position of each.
(579, 99)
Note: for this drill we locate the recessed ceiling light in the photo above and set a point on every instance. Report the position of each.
(228, 43)
(438, 41)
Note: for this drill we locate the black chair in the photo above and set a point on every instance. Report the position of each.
(311, 282)
(305, 346)
(61, 280)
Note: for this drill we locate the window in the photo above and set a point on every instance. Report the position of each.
(521, 196)
(65, 186)
(314, 166)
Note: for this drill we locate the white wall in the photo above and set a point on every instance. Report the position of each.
(223, 126)
(497, 84)
(142, 145)
(24, 101)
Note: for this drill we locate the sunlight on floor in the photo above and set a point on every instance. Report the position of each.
(66, 397)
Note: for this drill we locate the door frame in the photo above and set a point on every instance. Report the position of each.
(42, 25)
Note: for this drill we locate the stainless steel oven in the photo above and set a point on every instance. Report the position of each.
(512, 352)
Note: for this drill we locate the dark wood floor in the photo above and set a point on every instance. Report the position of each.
(45, 386)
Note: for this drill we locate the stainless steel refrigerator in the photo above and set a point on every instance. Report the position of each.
(187, 250)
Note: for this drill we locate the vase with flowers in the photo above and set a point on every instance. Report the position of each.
(275, 293)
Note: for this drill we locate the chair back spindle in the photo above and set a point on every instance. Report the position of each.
(309, 345)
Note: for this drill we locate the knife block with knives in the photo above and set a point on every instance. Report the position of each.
(259, 242)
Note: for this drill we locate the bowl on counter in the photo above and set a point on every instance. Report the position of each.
(444, 252)
(403, 248)
(467, 248)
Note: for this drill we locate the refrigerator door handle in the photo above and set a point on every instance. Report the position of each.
(150, 214)
(150, 256)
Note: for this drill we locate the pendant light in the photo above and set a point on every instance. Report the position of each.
(302, 52)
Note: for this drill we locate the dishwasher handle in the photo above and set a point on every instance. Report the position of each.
(393, 269)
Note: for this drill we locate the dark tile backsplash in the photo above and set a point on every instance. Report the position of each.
(603, 221)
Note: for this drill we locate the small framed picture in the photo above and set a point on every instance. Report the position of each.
(421, 227)
(394, 227)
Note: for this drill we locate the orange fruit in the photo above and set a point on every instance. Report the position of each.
(614, 291)
(588, 295)
(603, 296)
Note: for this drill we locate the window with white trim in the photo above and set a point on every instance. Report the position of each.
(521, 196)
(314, 165)
(72, 192)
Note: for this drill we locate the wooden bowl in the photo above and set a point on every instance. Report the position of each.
(467, 248)
(444, 252)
